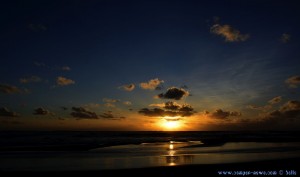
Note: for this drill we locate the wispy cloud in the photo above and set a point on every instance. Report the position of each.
(5, 112)
(127, 103)
(10, 89)
(285, 38)
(37, 27)
(174, 93)
(293, 81)
(108, 100)
(229, 33)
(62, 81)
(152, 84)
(128, 87)
(30, 79)
(65, 68)
(83, 113)
(275, 100)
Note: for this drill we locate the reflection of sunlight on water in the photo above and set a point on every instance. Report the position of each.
(171, 146)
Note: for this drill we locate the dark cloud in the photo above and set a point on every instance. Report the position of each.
(128, 87)
(174, 93)
(220, 114)
(37, 27)
(62, 81)
(82, 113)
(5, 112)
(229, 33)
(293, 81)
(290, 110)
(152, 84)
(64, 108)
(285, 38)
(170, 109)
(30, 79)
(9, 89)
(109, 115)
(275, 100)
(42, 111)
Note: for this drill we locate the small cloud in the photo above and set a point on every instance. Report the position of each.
(42, 111)
(65, 68)
(30, 79)
(170, 109)
(160, 105)
(109, 115)
(152, 84)
(92, 105)
(275, 100)
(7, 113)
(229, 33)
(285, 38)
(39, 64)
(260, 108)
(174, 93)
(127, 103)
(108, 100)
(109, 105)
(82, 113)
(128, 87)
(64, 108)
(293, 81)
(220, 114)
(62, 81)
(37, 27)
(9, 89)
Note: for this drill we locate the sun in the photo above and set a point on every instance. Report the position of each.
(170, 123)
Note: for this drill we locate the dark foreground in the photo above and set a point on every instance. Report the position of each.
(283, 167)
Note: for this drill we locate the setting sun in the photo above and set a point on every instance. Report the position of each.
(171, 124)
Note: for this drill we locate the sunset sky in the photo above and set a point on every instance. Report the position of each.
(150, 65)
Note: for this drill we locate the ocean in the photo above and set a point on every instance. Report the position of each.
(96, 150)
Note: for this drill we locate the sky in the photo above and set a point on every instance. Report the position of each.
(150, 65)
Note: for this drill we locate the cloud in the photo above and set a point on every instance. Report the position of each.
(30, 79)
(64, 108)
(37, 27)
(108, 100)
(293, 81)
(109, 115)
(220, 114)
(128, 87)
(275, 100)
(290, 110)
(285, 38)
(152, 84)
(7, 113)
(42, 111)
(170, 109)
(9, 89)
(128, 103)
(82, 113)
(65, 68)
(229, 33)
(174, 93)
(260, 108)
(62, 81)
(92, 105)
(109, 105)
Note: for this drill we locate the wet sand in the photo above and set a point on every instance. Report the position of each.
(282, 167)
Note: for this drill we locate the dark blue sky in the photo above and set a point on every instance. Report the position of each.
(230, 59)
